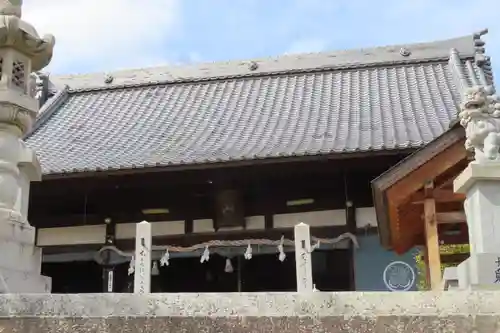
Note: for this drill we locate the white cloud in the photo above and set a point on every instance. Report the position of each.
(430, 19)
(101, 35)
(365, 23)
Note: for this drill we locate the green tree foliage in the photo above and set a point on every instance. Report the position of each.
(444, 250)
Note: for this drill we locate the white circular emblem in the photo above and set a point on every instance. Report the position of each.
(399, 276)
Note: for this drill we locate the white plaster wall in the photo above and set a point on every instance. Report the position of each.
(255, 222)
(207, 225)
(95, 234)
(366, 216)
(165, 228)
(203, 225)
(322, 218)
(88, 234)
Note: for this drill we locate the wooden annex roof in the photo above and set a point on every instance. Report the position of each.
(400, 192)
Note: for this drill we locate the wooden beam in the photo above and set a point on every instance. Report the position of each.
(432, 241)
(439, 195)
(451, 217)
(448, 183)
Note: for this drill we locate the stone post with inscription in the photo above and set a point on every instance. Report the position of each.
(480, 182)
(22, 51)
(142, 272)
(303, 261)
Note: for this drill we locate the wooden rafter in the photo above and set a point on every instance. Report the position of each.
(427, 172)
(412, 189)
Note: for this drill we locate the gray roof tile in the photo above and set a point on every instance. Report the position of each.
(237, 117)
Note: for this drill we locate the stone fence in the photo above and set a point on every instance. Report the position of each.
(351, 312)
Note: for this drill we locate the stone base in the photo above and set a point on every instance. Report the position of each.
(481, 183)
(373, 312)
(450, 279)
(463, 272)
(476, 171)
(18, 243)
(20, 259)
(480, 271)
(14, 282)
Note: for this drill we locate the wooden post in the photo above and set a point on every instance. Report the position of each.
(108, 269)
(142, 274)
(303, 258)
(433, 257)
(350, 216)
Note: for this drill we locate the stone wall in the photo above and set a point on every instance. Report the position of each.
(267, 312)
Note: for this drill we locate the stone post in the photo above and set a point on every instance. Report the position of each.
(22, 51)
(142, 272)
(480, 182)
(303, 262)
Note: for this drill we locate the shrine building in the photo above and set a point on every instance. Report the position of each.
(362, 145)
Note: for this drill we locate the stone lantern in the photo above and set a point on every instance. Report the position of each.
(22, 51)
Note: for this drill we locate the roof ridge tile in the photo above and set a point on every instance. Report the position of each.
(345, 59)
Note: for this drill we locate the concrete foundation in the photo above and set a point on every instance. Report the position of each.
(459, 312)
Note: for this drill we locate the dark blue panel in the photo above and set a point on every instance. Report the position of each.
(372, 261)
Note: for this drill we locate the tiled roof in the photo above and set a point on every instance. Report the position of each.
(352, 101)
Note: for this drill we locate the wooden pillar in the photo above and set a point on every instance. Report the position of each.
(433, 257)
(350, 213)
(108, 270)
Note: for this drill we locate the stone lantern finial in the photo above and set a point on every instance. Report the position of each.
(11, 7)
(18, 34)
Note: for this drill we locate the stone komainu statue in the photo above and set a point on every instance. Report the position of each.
(480, 116)
(11, 7)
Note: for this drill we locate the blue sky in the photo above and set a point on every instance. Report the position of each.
(107, 35)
